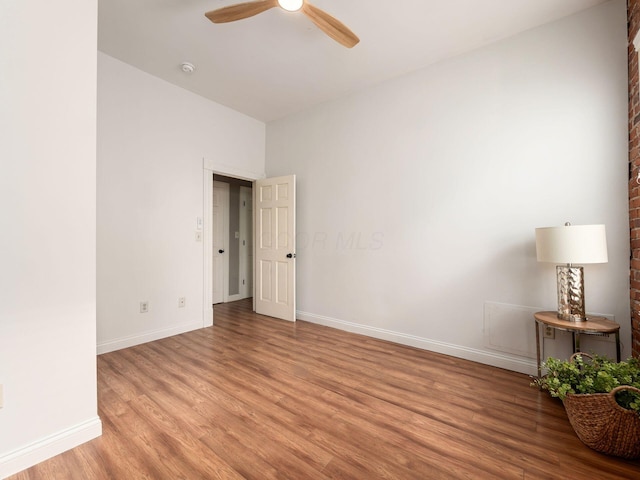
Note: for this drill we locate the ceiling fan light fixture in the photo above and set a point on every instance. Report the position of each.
(325, 22)
(291, 5)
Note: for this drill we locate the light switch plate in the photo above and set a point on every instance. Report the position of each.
(1, 396)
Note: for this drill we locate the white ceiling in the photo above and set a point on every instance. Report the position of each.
(277, 62)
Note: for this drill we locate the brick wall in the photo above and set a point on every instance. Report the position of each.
(633, 22)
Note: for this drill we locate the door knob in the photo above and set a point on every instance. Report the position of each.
(291, 255)
(220, 251)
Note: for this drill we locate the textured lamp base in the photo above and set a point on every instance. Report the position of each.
(571, 293)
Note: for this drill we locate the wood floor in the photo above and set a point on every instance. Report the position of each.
(258, 398)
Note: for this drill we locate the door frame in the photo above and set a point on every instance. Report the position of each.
(207, 232)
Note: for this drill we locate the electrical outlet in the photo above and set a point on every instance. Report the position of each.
(549, 332)
(1, 396)
(181, 302)
(198, 236)
(144, 307)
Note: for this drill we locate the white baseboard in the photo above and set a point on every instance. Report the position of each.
(495, 359)
(236, 297)
(130, 341)
(50, 446)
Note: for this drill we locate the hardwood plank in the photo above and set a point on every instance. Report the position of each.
(257, 398)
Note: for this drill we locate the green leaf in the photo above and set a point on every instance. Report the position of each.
(599, 375)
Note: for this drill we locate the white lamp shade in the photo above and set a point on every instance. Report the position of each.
(572, 244)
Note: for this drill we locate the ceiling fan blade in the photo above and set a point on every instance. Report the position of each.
(240, 11)
(330, 25)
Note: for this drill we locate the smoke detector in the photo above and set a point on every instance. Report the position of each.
(187, 67)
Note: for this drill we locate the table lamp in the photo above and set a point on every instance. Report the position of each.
(569, 245)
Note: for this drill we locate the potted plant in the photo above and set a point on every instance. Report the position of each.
(602, 400)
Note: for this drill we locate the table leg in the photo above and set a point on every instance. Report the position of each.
(538, 347)
(618, 346)
(576, 341)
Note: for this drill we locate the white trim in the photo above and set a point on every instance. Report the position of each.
(509, 362)
(636, 41)
(232, 171)
(133, 340)
(207, 245)
(50, 446)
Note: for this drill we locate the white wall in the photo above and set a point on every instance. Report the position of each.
(418, 198)
(48, 225)
(152, 140)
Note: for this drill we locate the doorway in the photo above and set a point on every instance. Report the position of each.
(232, 235)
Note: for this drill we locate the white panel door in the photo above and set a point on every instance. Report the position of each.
(275, 262)
(220, 236)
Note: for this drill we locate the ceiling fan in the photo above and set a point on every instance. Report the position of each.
(325, 22)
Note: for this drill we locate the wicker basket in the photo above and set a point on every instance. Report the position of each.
(604, 425)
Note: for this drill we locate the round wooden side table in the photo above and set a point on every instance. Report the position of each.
(591, 326)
